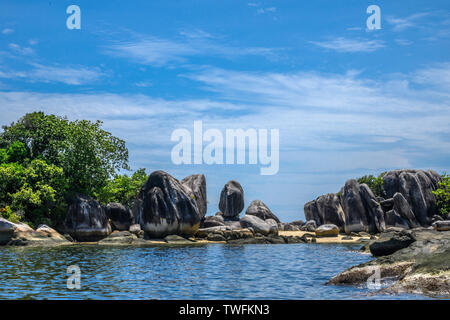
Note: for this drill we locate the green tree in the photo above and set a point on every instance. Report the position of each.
(17, 152)
(122, 188)
(375, 183)
(88, 155)
(443, 195)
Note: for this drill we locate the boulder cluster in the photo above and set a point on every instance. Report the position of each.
(408, 203)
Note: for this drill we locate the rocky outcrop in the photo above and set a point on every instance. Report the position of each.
(310, 225)
(20, 234)
(327, 230)
(259, 209)
(166, 207)
(409, 203)
(196, 184)
(422, 267)
(416, 186)
(212, 221)
(121, 216)
(86, 219)
(258, 225)
(361, 210)
(390, 242)
(231, 200)
(326, 209)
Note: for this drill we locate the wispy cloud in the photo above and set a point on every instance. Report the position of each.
(158, 52)
(26, 51)
(7, 31)
(350, 45)
(40, 73)
(400, 24)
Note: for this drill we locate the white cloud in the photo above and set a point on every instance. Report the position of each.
(7, 31)
(400, 24)
(160, 52)
(26, 51)
(69, 75)
(350, 45)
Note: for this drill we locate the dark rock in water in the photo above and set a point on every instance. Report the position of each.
(258, 225)
(310, 226)
(402, 207)
(442, 225)
(212, 221)
(231, 200)
(393, 219)
(416, 186)
(259, 209)
(327, 230)
(197, 185)
(121, 217)
(86, 219)
(326, 209)
(389, 243)
(165, 207)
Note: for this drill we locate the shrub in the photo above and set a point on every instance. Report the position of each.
(443, 195)
(375, 184)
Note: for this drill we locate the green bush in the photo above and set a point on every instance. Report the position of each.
(122, 188)
(8, 214)
(443, 195)
(375, 184)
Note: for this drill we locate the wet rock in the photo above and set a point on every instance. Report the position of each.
(258, 225)
(327, 230)
(121, 216)
(196, 184)
(389, 243)
(175, 239)
(86, 219)
(259, 209)
(215, 237)
(231, 200)
(166, 207)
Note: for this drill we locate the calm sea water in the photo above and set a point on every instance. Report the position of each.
(294, 271)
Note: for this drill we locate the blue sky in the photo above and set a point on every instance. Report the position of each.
(347, 101)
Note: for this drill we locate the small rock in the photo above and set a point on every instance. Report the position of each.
(327, 230)
(442, 225)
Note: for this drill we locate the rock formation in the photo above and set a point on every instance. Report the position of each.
(197, 186)
(259, 209)
(165, 206)
(231, 200)
(121, 216)
(86, 219)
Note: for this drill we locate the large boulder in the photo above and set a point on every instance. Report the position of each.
(309, 225)
(258, 225)
(212, 221)
(22, 234)
(165, 207)
(417, 188)
(121, 216)
(362, 210)
(326, 209)
(231, 200)
(391, 242)
(401, 206)
(393, 219)
(86, 219)
(259, 209)
(327, 230)
(197, 186)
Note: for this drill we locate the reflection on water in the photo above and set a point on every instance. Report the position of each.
(201, 272)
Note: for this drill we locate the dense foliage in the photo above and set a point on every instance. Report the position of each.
(44, 158)
(375, 183)
(443, 195)
(122, 188)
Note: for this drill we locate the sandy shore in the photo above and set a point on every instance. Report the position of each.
(338, 239)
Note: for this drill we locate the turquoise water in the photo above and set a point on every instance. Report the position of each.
(214, 271)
